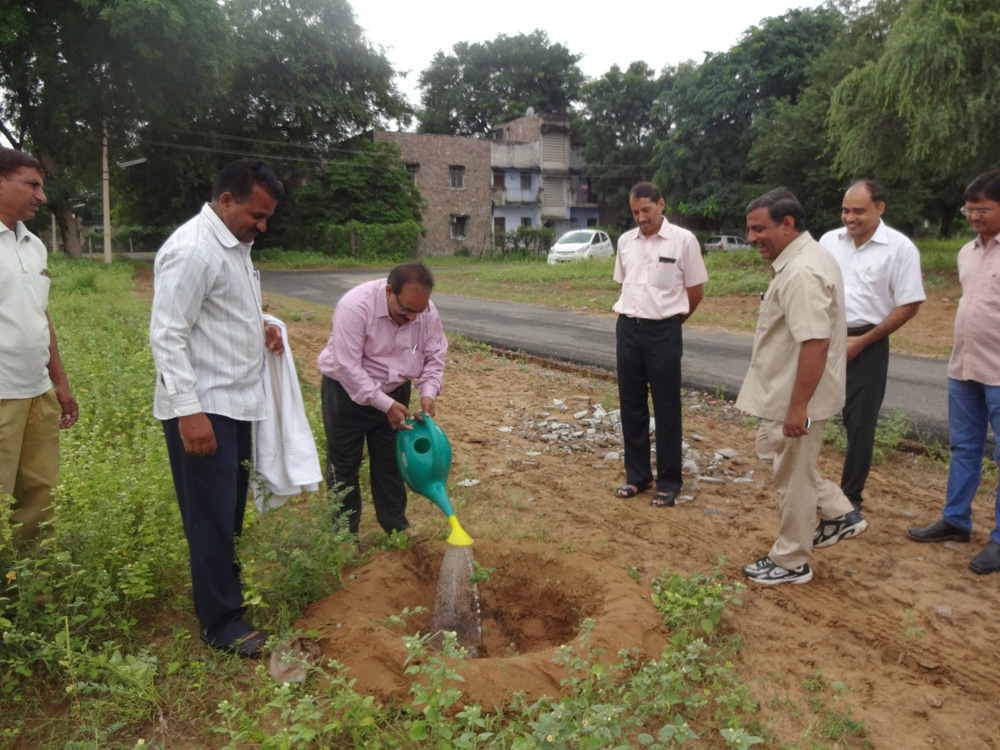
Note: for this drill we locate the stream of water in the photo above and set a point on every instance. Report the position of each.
(456, 605)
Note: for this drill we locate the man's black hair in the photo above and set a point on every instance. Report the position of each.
(11, 160)
(239, 177)
(875, 190)
(645, 190)
(780, 203)
(987, 185)
(411, 273)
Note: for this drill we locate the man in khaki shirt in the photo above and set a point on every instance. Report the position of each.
(795, 383)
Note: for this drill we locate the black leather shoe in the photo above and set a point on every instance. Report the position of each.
(988, 560)
(939, 531)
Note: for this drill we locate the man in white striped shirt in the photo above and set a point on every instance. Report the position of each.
(207, 334)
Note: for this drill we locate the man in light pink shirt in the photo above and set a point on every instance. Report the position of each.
(661, 272)
(973, 375)
(386, 333)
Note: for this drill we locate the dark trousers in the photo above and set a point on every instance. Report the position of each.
(212, 495)
(649, 363)
(348, 426)
(866, 376)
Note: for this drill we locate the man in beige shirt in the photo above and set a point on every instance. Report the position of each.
(795, 383)
(973, 375)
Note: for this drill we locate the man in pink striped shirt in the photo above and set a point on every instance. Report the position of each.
(974, 375)
(386, 333)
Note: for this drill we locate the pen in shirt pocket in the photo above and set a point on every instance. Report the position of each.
(414, 350)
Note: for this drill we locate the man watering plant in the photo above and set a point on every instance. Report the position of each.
(386, 333)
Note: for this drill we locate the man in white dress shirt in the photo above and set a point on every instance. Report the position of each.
(882, 290)
(208, 335)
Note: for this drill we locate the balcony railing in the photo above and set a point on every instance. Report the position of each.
(504, 196)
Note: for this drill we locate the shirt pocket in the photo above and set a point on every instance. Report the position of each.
(39, 286)
(666, 274)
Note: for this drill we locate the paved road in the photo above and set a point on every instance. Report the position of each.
(917, 386)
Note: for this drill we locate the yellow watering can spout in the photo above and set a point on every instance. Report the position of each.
(458, 537)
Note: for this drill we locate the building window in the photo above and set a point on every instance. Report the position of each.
(457, 177)
(591, 222)
(459, 227)
(525, 180)
(413, 169)
(526, 221)
(498, 178)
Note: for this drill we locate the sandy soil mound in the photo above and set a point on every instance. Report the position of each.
(533, 604)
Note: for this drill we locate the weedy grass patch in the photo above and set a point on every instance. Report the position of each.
(98, 638)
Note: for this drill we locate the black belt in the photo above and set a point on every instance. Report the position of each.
(860, 330)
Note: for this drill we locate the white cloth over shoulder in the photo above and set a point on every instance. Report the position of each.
(285, 458)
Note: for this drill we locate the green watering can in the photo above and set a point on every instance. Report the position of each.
(424, 458)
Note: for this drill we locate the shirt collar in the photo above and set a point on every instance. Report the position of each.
(793, 249)
(661, 232)
(20, 231)
(879, 237)
(978, 242)
(226, 238)
(381, 301)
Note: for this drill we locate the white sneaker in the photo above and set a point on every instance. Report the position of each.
(768, 572)
(828, 533)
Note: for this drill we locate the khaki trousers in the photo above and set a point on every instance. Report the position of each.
(802, 491)
(29, 458)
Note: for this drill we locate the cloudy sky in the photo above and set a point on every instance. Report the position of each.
(661, 33)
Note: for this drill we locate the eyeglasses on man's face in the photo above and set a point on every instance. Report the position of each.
(407, 311)
(967, 212)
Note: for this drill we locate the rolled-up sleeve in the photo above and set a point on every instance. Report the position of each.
(183, 278)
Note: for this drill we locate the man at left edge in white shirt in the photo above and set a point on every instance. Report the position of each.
(35, 397)
(207, 334)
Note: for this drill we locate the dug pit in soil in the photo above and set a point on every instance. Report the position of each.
(533, 603)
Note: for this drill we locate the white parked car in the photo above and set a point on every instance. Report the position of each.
(724, 242)
(579, 244)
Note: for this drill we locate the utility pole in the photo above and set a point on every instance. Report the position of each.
(106, 194)
(55, 246)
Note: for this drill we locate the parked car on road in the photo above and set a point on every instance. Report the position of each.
(724, 242)
(579, 244)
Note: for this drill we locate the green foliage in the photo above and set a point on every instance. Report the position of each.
(930, 92)
(484, 83)
(366, 185)
(370, 242)
(523, 242)
(704, 161)
(619, 126)
(698, 600)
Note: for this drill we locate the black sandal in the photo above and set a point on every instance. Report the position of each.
(631, 490)
(664, 499)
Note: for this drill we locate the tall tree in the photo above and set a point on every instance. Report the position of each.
(703, 164)
(68, 68)
(483, 83)
(304, 81)
(925, 111)
(933, 92)
(619, 127)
